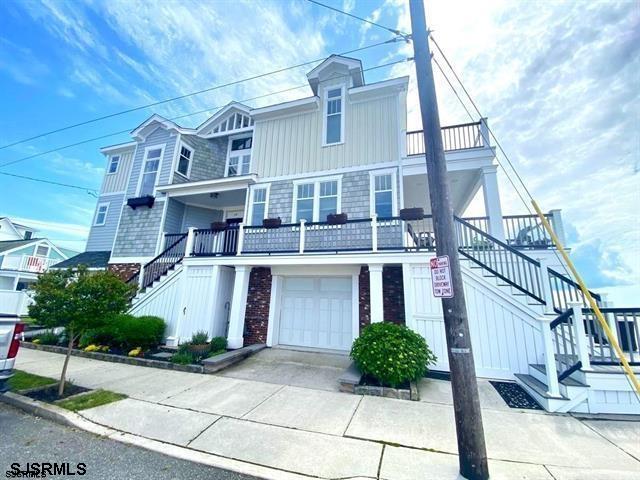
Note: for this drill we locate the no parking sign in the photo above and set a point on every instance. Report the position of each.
(441, 277)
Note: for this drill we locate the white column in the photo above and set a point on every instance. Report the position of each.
(553, 388)
(485, 137)
(609, 317)
(238, 306)
(581, 337)
(191, 236)
(375, 293)
(240, 243)
(492, 201)
(374, 232)
(556, 224)
(302, 234)
(547, 294)
(141, 276)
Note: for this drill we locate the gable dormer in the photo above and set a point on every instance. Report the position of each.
(336, 69)
(232, 119)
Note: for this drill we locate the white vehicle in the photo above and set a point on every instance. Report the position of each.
(10, 330)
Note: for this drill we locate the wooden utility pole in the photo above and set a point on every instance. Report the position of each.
(466, 404)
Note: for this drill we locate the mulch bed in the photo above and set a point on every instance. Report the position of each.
(50, 394)
(515, 396)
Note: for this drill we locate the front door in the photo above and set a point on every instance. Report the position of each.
(233, 217)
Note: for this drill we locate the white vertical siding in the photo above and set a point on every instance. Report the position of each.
(293, 144)
(505, 338)
(117, 182)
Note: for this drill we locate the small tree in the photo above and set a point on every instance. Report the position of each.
(78, 301)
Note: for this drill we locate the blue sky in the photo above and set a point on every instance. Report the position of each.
(559, 82)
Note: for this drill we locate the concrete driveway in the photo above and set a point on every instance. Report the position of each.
(292, 431)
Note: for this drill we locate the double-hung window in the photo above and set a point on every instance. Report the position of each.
(184, 161)
(101, 214)
(113, 164)
(239, 162)
(150, 169)
(259, 205)
(383, 195)
(313, 201)
(333, 116)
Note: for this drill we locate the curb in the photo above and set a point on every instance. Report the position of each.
(75, 420)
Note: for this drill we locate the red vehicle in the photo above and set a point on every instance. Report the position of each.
(10, 330)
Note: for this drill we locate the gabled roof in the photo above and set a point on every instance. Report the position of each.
(7, 245)
(353, 65)
(220, 114)
(155, 121)
(98, 259)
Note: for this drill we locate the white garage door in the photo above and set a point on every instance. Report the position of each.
(316, 312)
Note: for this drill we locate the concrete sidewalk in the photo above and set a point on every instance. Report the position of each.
(291, 431)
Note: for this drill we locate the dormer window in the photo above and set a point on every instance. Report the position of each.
(334, 116)
(28, 235)
(113, 164)
(239, 159)
(184, 161)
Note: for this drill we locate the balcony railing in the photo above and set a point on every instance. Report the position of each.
(455, 137)
(28, 263)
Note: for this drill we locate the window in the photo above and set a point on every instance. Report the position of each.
(150, 171)
(383, 201)
(42, 251)
(304, 202)
(101, 214)
(184, 161)
(333, 117)
(313, 201)
(239, 162)
(328, 199)
(113, 164)
(28, 234)
(259, 205)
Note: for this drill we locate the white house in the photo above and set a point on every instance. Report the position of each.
(300, 223)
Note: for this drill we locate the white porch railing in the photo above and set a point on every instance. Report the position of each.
(28, 263)
(15, 302)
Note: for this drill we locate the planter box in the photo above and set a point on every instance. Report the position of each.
(146, 201)
(219, 226)
(337, 218)
(350, 382)
(271, 222)
(412, 213)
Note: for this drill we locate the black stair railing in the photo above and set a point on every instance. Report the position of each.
(565, 344)
(161, 264)
(565, 290)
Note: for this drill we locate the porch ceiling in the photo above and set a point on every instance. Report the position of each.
(463, 185)
(216, 200)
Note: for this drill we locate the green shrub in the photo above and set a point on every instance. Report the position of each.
(97, 336)
(49, 338)
(218, 344)
(183, 358)
(199, 338)
(130, 332)
(392, 354)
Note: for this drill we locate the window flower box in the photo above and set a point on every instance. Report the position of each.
(337, 218)
(219, 226)
(272, 222)
(416, 213)
(144, 201)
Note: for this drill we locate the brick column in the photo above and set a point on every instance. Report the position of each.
(363, 297)
(256, 319)
(393, 294)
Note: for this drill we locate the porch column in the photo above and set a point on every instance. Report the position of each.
(375, 293)
(238, 306)
(556, 224)
(492, 201)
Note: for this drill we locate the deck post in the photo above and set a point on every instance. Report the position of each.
(376, 293)
(484, 132)
(235, 337)
(553, 387)
(545, 285)
(556, 224)
(492, 205)
(374, 232)
(191, 237)
(303, 230)
(609, 317)
(141, 277)
(240, 243)
(581, 337)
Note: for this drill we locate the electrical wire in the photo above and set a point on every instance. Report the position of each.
(34, 179)
(186, 95)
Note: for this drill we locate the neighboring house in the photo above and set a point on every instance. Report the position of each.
(23, 257)
(226, 228)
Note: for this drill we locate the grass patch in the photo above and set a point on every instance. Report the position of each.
(24, 381)
(90, 400)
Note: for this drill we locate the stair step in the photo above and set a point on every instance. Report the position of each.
(569, 382)
(537, 386)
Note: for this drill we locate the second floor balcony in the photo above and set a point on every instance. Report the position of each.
(466, 136)
(27, 263)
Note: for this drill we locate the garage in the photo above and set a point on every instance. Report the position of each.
(316, 312)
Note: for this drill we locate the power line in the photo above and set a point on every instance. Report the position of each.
(34, 179)
(101, 137)
(406, 36)
(186, 95)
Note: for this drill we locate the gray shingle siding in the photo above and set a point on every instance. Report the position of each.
(200, 217)
(101, 237)
(138, 232)
(174, 216)
(159, 137)
(209, 158)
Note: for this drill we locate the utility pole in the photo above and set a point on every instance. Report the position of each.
(472, 452)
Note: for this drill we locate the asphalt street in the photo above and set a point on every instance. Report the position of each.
(26, 438)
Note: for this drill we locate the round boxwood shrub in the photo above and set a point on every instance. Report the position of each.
(130, 332)
(392, 354)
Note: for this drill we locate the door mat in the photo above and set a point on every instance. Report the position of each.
(515, 396)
